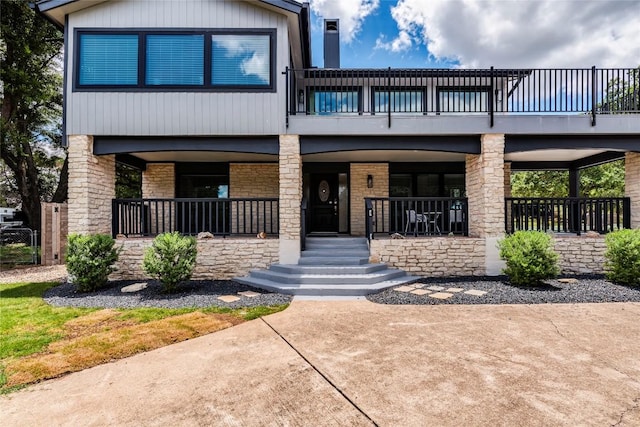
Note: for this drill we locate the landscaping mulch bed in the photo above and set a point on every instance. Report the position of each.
(586, 289)
(195, 293)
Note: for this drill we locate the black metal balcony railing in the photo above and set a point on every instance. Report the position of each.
(567, 215)
(416, 216)
(222, 217)
(463, 91)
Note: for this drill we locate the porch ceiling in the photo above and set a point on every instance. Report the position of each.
(552, 155)
(385, 156)
(203, 156)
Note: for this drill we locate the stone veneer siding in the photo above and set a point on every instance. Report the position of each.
(254, 180)
(218, 259)
(433, 256)
(290, 179)
(580, 254)
(632, 186)
(358, 191)
(465, 256)
(159, 181)
(91, 187)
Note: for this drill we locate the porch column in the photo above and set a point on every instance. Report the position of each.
(159, 181)
(290, 198)
(91, 187)
(485, 183)
(632, 186)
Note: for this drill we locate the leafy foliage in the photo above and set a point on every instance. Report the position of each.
(128, 182)
(171, 259)
(606, 180)
(31, 104)
(530, 257)
(90, 260)
(622, 257)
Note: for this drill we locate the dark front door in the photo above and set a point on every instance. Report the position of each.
(324, 209)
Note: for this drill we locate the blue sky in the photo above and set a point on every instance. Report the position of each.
(481, 33)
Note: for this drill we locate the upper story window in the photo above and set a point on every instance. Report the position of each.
(215, 60)
(240, 59)
(108, 59)
(175, 60)
(463, 99)
(398, 100)
(334, 100)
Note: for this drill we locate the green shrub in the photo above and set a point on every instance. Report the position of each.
(90, 260)
(622, 257)
(170, 259)
(530, 257)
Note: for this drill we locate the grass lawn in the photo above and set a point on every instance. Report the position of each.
(40, 341)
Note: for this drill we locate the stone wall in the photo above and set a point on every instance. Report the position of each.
(359, 190)
(254, 180)
(159, 181)
(91, 187)
(580, 254)
(290, 178)
(434, 256)
(632, 186)
(217, 258)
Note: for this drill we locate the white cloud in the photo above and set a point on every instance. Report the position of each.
(399, 44)
(351, 13)
(257, 65)
(527, 33)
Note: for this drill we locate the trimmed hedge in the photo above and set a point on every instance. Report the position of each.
(170, 259)
(90, 260)
(622, 257)
(530, 257)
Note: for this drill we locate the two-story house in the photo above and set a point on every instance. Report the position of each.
(238, 134)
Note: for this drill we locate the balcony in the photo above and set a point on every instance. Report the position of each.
(490, 97)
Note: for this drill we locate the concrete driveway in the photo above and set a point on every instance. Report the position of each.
(357, 363)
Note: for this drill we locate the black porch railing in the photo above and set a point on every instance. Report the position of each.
(491, 91)
(567, 215)
(416, 216)
(222, 217)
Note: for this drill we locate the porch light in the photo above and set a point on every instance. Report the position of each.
(301, 96)
(369, 181)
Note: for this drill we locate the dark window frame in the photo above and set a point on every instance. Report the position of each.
(206, 87)
(420, 89)
(462, 89)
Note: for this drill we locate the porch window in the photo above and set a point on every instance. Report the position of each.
(399, 101)
(241, 60)
(175, 60)
(107, 59)
(329, 101)
(463, 99)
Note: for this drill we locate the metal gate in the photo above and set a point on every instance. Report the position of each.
(18, 246)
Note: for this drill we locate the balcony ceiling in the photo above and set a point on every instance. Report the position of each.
(385, 156)
(552, 155)
(204, 156)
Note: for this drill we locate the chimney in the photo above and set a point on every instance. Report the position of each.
(331, 43)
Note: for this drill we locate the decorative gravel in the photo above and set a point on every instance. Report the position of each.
(588, 289)
(196, 293)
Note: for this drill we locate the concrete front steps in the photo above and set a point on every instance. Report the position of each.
(330, 266)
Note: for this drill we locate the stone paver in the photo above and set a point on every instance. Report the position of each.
(475, 292)
(136, 287)
(249, 294)
(436, 288)
(568, 280)
(420, 292)
(454, 290)
(228, 298)
(441, 295)
(403, 289)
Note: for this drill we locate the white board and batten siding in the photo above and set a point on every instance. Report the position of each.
(177, 113)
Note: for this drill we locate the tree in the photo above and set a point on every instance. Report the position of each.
(31, 104)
